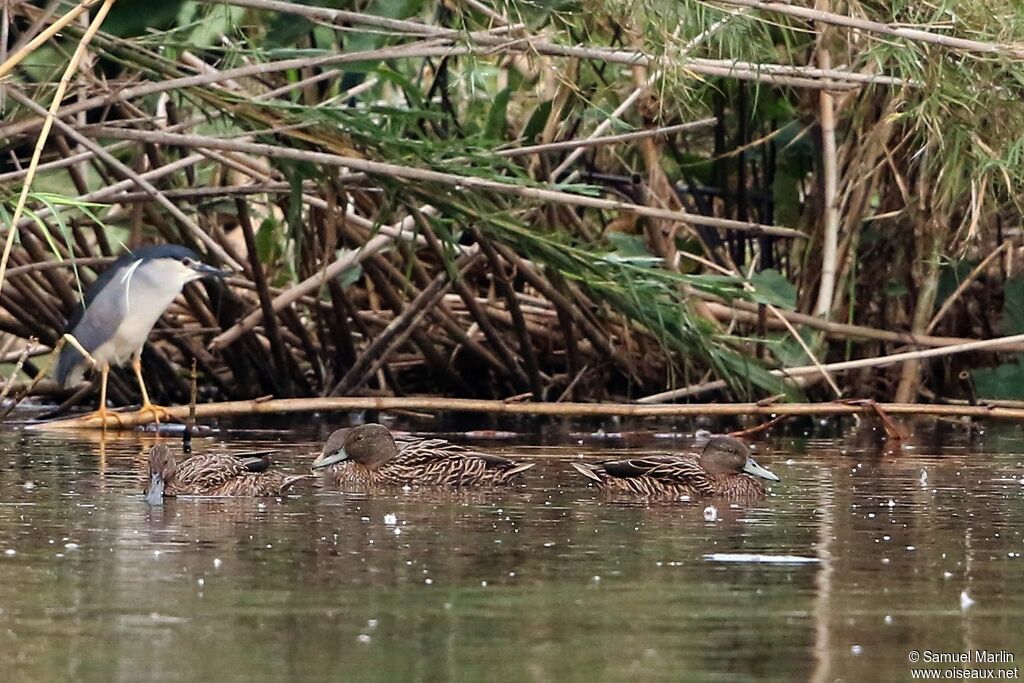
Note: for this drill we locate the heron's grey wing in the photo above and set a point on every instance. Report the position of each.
(103, 317)
(104, 312)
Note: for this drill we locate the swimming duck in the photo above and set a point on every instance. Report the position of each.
(212, 475)
(724, 468)
(368, 455)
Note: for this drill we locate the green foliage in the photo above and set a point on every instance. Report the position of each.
(772, 287)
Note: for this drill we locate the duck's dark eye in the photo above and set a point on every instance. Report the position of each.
(360, 437)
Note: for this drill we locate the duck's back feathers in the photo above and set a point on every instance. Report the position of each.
(432, 462)
(228, 475)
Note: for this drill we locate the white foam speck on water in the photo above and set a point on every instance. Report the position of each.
(71, 546)
(760, 558)
(965, 600)
(363, 638)
(710, 513)
(217, 562)
(391, 519)
(10, 552)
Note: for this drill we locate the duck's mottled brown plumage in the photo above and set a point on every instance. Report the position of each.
(719, 471)
(369, 456)
(214, 475)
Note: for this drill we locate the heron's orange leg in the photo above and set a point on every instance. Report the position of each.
(147, 406)
(102, 412)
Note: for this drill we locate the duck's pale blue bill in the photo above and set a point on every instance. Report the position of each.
(753, 468)
(155, 492)
(327, 460)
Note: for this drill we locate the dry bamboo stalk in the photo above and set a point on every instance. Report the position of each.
(107, 193)
(830, 183)
(771, 73)
(52, 30)
(62, 87)
(444, 404)
(920, 35)
(745, 311)
(412, 50)
(876, 361)
(592, 141)
(420, 174)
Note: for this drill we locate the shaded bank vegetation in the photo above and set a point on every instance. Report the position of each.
(589, 201)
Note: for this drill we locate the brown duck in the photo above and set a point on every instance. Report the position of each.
(724, 468)
(368, 455)
(212, 475)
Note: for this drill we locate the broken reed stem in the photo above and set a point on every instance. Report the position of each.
(965, 283)
(37, 152)
(22, 357)
(518, 321)
(314, 282)
(511, 367)
(263, 292)
(455, 405)
(399, 330)
(803, 345)
(190, 423)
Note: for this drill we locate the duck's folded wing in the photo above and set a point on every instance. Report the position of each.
(257, 464)
(640, 467)
(429, 467)
(210, 471)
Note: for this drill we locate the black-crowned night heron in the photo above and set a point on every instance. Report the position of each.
(120, 309)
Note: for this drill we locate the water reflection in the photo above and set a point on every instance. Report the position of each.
(545, 580)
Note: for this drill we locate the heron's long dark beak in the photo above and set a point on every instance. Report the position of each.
(209, 271)
(753, 468)
(326, 460)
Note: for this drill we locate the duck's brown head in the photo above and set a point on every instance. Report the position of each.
(161, 468)
(728, 455)
(369, 444)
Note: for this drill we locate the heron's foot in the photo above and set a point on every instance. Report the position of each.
(104, 416)
(158, 412)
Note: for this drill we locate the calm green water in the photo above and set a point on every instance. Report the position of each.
(547, 581)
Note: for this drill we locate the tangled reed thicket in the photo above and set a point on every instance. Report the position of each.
(602, 200)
